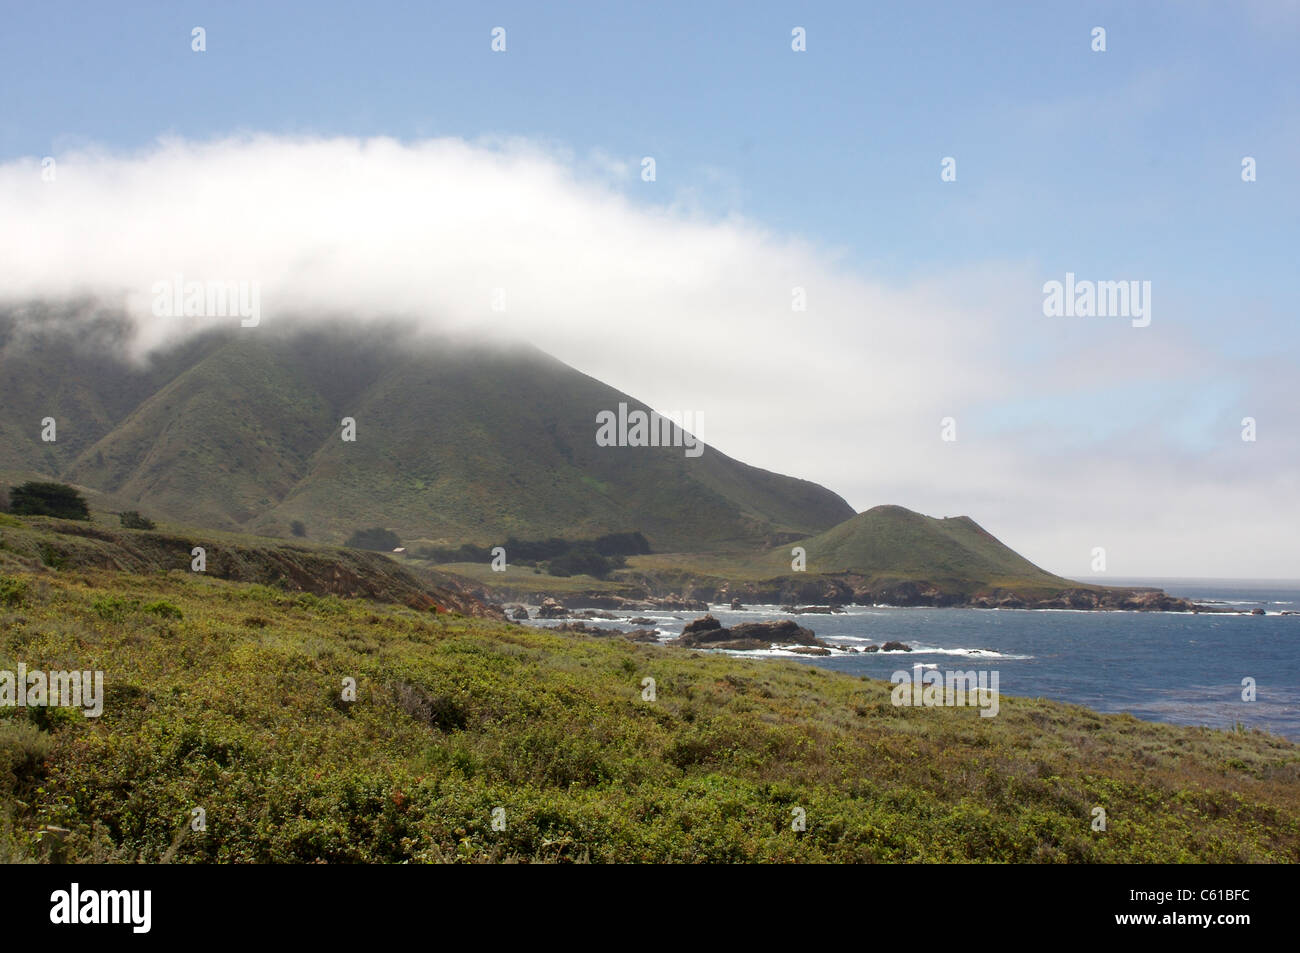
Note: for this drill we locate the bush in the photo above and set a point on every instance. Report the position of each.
(163, 609)
(133, 520)
(377, 539)
(23, 750)
(48, 499)
(52, 557)
(12, 591)
(298, 528)
(4, 499)
(114, 608)
(441, 712)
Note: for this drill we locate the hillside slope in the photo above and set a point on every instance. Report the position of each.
(227, 696)
(29, 543)
(887, 555)
(455, 442)
(895, 541)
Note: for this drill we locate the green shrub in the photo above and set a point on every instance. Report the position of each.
(23, 750)
(298, 528)
(52, 557)
(114, 608)
(163, 609)
(12, 591)
(437, 711)
(131, 519)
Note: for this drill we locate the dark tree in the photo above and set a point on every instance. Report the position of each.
(579, 561)
(48, 499)
(379, 539)
(298, 528)
(131, 519)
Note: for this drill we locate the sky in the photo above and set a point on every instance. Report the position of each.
(385, 159)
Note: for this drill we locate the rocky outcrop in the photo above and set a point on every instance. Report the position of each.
(552, 608)
(700, 626)
(676, 603)
(895, 647)
(1133, 600)
(784, 632)
(708, 632)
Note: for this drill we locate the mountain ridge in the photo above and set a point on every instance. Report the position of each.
(455, 442)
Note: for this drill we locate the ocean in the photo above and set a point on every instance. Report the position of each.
(1160, 666)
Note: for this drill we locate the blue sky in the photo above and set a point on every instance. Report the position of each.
(1116, 165)
(1127, 159)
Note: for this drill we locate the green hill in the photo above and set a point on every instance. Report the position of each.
(891, 541)
(31, 542)
(455, 442)
(460, 442)
(888, 555)
(226, 695)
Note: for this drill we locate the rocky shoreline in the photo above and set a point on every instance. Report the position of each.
(705, 632)
(830, 596)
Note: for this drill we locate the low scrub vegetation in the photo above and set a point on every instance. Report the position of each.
(232, 697)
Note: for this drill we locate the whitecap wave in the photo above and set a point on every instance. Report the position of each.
(967, 653)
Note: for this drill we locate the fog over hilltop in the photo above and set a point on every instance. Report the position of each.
(1071, 433)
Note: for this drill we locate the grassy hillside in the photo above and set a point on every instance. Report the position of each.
(227, 696)
(885, 542)
(888, 555)
(454, 442)
(872, 557)
(66, 372)
(890, 541)
(30, 543)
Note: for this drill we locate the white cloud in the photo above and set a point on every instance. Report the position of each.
(690, 311)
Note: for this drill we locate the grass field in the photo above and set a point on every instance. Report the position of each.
(523, 578)
(227, 696)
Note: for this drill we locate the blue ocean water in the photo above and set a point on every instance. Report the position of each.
(1175, 667)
